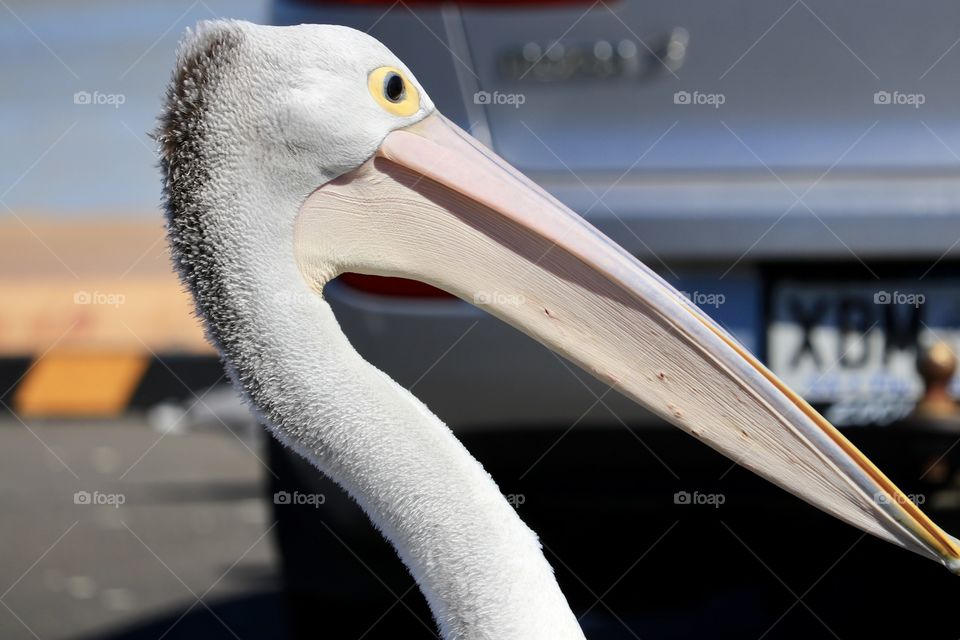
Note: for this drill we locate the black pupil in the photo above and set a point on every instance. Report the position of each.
(393, 88)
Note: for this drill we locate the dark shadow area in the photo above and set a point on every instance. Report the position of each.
(174, 378)
(634, 560)
(12, 372)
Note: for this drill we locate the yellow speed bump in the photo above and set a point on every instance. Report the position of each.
(76, 383)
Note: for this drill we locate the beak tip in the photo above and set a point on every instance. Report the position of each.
(952, 563)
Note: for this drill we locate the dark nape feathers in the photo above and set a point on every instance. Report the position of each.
(183, 137)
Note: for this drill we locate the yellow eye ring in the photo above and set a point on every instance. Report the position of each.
(393, 92)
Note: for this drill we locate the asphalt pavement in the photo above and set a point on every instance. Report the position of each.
(117, 530)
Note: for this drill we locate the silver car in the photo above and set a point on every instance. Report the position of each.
(790, 168)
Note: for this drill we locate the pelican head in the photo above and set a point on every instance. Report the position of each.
(293, 154)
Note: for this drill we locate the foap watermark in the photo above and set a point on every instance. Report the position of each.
(900, 298)
(99, 498)
(881, 497)
(99, 298)
(714, 500)
(498, 298)
(310, 499)
(295, 298)
(97, 98)
(899, 98)
(497, 98)
(516, 500)
(699, 98)
(704, 299)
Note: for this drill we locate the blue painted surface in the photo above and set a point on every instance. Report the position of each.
(76, 159)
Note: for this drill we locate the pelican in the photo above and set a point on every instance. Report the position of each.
(293, 154)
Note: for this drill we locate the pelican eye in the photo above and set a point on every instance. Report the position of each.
(393, 92)
(393, 88)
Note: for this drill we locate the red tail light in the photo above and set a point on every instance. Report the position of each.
(394, 287)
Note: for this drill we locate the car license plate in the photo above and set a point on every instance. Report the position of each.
(840, 342)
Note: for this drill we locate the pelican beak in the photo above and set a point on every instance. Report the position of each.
(434, 205)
